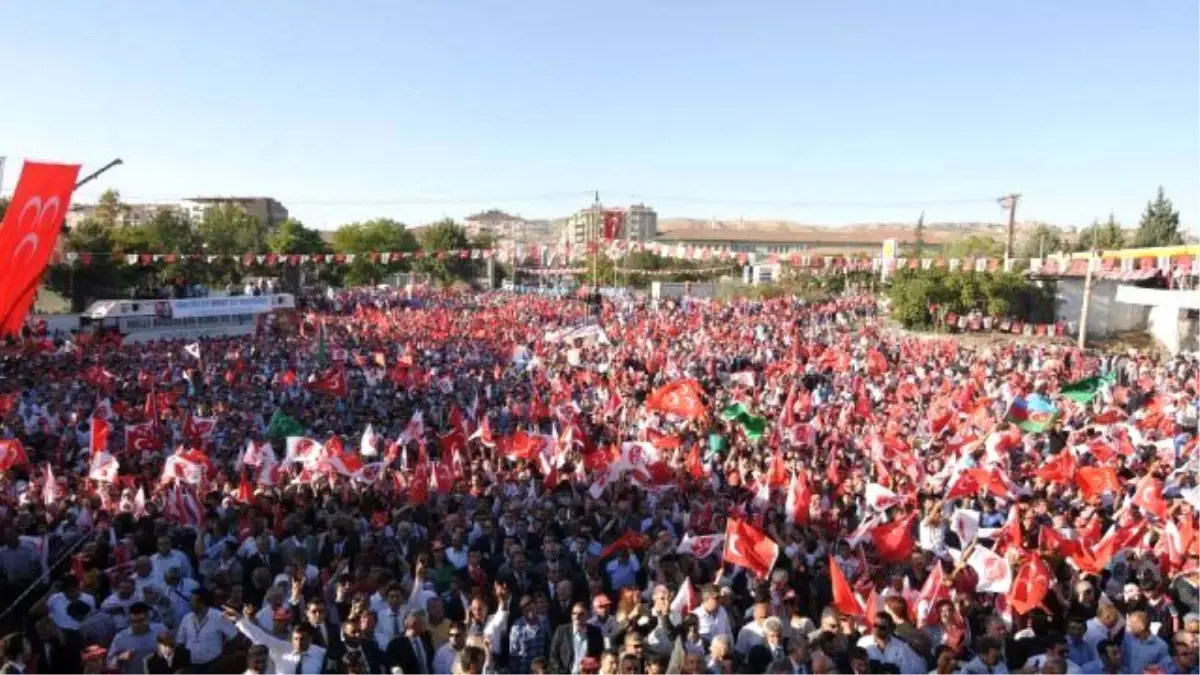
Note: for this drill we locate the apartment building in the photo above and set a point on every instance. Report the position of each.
(638, 223)
(269, 211)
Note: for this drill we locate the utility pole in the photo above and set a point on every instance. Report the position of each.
(1087, 292)
(1009, 202)
(596, 218)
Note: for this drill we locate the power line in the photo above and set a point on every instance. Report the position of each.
(582, 196)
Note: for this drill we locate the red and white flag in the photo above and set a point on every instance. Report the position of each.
(685, 600)
(880, 498)
(104, 468)
(414, 430)
(12, 453)
(799, 500)
(995, 574)
(50, 492)
(750, 547)
(331, 381)
(700, 547)
(1030, 586)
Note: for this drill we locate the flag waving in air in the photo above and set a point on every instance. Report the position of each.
(1033, 413)
(750, 547)
(683, 398)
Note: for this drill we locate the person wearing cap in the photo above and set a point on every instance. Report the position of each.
(575, 641)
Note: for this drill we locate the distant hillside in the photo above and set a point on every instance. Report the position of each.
(934, 232)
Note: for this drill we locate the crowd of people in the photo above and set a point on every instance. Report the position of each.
(490, 483)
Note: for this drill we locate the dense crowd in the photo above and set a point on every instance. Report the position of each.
(508, 484)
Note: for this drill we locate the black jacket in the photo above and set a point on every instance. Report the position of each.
(400, 653)
(562, 647)
(157, 665)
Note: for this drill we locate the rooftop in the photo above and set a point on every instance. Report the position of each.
(491, 216)
(871, 235)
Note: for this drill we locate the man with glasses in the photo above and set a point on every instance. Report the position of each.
(883, 647)
(574, 641)
(447, 654)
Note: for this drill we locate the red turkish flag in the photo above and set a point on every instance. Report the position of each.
(332, 381)
(683, 398)
(12, 453)
(750, 547)
(894, 540)
(612, 224)
(1094, 481)
(630, 541)
(29, 234)
(100, 431)
(1061, 469)
(1030, 586)
(844, 599)
(1149, 497)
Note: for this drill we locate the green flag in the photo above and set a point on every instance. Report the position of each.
(733, 412)
(1083, 391)
(282, 426)
(753, 427)
(322, 359)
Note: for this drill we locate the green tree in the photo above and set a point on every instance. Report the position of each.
(109, 208)
(291, 237)
(1041, 240)
(382, 235)
(974, 246)
(1102, 236)
(1160, 223)
(227, 229)
(171, 232)
(438, 238)
(4, 201)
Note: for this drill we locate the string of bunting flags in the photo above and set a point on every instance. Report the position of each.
(557, 259)
(270, 259)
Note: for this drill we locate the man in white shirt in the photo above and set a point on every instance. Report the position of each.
(57, 603)
(391, 617)
(168, 557)
(713, 618)
(883, 647)
(298, 657)
(203, 631)
(144, 574)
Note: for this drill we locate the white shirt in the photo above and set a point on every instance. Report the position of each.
(283, 655)
(714, 624)
(204, 636)
(153, 579)
(750, 636)
(896, 653)
(390, 625)
(443, 659)
(57, 606)
(175, 558)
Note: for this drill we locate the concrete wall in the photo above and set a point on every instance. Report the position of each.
(1106, 316)
(59, 322)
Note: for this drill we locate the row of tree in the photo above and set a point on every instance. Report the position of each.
(1159, 226)
(227, 230)
(918, 296)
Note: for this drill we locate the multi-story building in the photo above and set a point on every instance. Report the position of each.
(269, 211)
(495, 222)
(130, 215)
(639, 223)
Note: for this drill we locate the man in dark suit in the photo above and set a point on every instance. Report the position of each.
(167, 658)
(325, 633)
(55, 650)
(338, 546)
(574, 641)
(413, 651)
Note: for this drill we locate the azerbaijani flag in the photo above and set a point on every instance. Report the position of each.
(1034, 413)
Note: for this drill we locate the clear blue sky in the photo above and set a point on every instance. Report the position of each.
(823, 112)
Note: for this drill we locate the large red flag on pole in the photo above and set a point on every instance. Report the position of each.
(29, 235)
